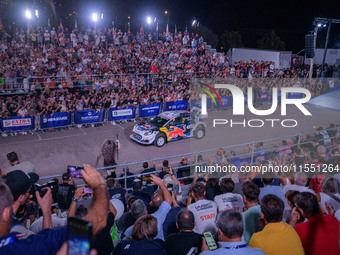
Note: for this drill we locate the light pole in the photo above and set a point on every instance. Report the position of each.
(28, 15)
(166, 13)
(95, 19)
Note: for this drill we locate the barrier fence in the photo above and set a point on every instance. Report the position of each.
(65, 119)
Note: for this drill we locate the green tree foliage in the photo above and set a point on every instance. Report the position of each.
(231, 39)
(271, 41)
(209, 36)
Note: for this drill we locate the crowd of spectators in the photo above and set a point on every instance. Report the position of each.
(67, 70)
(244, 212)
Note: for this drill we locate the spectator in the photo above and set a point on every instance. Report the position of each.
(49, 241)
(20, 185)
(127, 219)
(13, 159)
(300, 181)
(230, 230)
(252, 210)
(276, 237)
(137, 191)
(147, 178)
(186, 241)
(102, 242)
(161, 213)
(329, 194)
(228, 200)
(205, 211)
(65, 194)
(115, 190)
(269, 188)
(143, 239)
(323, 239)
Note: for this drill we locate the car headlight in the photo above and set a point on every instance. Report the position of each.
(135, 126)
(148, 133)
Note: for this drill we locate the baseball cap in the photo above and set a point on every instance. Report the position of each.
(19, 182)
(65, 176)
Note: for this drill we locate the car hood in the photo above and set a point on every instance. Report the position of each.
(145, 127)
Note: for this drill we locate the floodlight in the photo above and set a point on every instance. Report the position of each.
(28, 14)
(95, 17)
(148, 20)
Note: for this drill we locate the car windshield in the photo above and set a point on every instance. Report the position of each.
(158, 121)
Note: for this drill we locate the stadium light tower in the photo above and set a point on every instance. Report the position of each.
(148, 20)
(95, 20)
(28, 15)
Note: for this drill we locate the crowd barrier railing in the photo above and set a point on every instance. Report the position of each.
(245, 156)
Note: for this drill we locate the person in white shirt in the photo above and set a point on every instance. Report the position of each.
(228, 200)
(300, 181)
(329, 194)
(205, 211)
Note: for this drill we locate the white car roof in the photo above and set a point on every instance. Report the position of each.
(170, 114)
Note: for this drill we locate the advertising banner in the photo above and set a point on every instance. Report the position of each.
(227, 101)
(176, 105)
(17, 123)
(149, 110)
(88, 116)
(58, 119)
(125, 113)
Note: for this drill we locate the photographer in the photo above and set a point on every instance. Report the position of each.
(20, 185)
(49, 241)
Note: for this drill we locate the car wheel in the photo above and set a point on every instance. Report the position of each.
(160, 140)
(200, 132)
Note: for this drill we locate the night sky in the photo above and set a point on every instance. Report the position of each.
(291, 20)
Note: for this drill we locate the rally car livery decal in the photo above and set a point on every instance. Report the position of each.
(168, 126)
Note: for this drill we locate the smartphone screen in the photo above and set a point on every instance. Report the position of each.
(87, 190)
(79, 236)
(210, 240)
(74, 171)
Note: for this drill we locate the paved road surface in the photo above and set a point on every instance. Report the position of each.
(51, 152)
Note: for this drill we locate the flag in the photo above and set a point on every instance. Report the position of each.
(61, 25)
(75, 25)
(167, 30)
(0, 23)
(157, 31)
(49, 26)
(141, 29)
(175, 29)
(113, 27)
(128, 28)
(186, 29)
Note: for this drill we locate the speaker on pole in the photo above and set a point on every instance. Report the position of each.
(310, 46)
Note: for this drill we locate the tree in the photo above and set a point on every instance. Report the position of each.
(231, 39)
(271, 41)
(208, 35)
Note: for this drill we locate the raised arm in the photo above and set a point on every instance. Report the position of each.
(158, 181)
(100, 203)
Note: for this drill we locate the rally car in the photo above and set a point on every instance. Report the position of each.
(169, 126)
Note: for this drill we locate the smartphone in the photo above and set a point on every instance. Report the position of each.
(79, 235)
(88, 191)
(74, 171)
(210, 241)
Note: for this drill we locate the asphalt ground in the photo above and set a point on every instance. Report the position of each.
(51, 152)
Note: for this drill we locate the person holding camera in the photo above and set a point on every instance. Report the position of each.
(49, 241)
(65, 193)
(20, 185)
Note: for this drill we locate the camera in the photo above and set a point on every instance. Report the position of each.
(42, 189)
